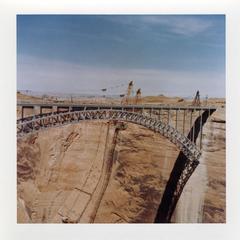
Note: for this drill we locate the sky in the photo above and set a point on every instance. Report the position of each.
(174, 55)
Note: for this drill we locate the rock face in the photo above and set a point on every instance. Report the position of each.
(106, 172)
(63, 173)
(143, 161)
(204, 197)
(68, 168)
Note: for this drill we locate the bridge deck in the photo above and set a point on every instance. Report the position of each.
(114, 106)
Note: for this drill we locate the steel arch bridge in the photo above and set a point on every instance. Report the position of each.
(38, 123)
(185, 144)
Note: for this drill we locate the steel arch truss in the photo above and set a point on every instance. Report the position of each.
(185, 145)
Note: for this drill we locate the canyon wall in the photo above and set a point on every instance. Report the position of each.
(63, 173)
(105, 173)
(204, 197)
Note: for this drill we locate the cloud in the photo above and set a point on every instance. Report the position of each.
(177, 24)
(184, 25)
(56, 76)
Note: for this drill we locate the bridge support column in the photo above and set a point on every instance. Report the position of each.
(54, 109)
(200, 132)
(193, 130)
(168, 116)
(184, 117)
(159, 114)
(176, 119)
(190, 125)
(37, 110)
(22, 112)
(41, 108)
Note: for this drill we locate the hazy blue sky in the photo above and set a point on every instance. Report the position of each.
(162, 54)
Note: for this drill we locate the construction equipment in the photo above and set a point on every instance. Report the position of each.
(127, 97)
(196, 101)
(138, 97)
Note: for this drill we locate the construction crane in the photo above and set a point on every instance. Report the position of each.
(126, 98)
(196, 101)
(138, 96)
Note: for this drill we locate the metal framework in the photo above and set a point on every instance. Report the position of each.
(182, 118)
(183, 143)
